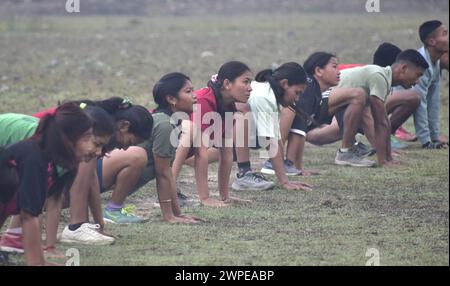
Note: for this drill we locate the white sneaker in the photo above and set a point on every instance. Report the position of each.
(87, 233)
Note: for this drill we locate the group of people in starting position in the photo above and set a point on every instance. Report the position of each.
(66, 156)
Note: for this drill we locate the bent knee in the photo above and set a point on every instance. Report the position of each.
(136, 156)
(415, 100)
(242, 107)
(359, 96)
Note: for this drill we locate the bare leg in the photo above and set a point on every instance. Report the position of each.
(184, 147)
(213, 156)
(286, 120)
(327, 134)
(382, 130)
(79, 192)
(294, 151)
(354, 99)
(122, 169)
(243, 152)
(368, 126)
(400, 106)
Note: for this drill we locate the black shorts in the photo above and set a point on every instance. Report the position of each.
(299, 125)
(340, 120)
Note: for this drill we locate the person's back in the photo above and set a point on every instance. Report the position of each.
(16, 127)
(374, 79)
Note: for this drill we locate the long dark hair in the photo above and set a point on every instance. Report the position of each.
(102, 122)
(293, 72)
(169, 85)
(231, 71)
(141, 120)
(317, 59)
(58, 132)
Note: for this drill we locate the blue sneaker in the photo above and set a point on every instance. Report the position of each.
(122, 216)
(288, 166)
(397, 144)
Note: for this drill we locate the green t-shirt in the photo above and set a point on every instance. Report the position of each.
(16, 127)
(375, 80)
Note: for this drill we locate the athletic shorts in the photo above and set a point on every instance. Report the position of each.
(323, 118)
(148, 174)
(340, 120)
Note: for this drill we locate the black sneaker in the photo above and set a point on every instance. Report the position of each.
(433, 145)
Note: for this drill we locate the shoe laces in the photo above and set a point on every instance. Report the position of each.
(182, 196)
(288, 163)
(258, 177)
(128, 210)
(93, 229)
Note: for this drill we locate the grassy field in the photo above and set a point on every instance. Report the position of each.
(403, 212)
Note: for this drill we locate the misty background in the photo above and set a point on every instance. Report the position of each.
(213, 7)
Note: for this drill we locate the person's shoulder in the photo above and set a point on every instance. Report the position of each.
(312, 88)
(43, 113)
(161, 123)
(376, 70)
(259, 86)
(261, 93)
(10, 117)
(422, 51)
(342, 67)
(25, 144)
(160, 119)
(26, 149)
(205, 96)
(260, 89)
(205, 92)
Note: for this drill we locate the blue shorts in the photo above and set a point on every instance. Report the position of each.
(100, 174)
(147, 175)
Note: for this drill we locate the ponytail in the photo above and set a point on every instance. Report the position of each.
(141, 121)
(58, 132)
(293, 72)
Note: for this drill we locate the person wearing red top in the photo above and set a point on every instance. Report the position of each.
(62, 138)
(348, 66)
(231, 85)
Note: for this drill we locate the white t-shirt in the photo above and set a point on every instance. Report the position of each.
(265, 110)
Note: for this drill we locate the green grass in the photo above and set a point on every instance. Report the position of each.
(403, 212)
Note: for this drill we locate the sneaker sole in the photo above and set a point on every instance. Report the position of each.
(239, 189)
(107, 220)
(11, 249)
(272, 172)
(73, 241)
(345, 163)
(368, 154)
(399, 148)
